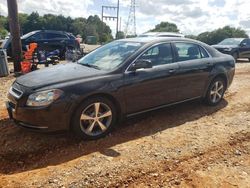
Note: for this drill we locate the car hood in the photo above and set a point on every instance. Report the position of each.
(224, 46)
(57, 74)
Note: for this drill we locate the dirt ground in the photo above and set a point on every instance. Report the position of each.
(188, 145)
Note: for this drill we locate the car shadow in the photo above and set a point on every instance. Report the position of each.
(21, 150)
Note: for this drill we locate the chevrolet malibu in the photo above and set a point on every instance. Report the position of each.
(120, 79)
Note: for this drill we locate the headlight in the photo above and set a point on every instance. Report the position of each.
(43, 98)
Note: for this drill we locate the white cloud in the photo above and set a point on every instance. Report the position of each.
(191, 16)
(74, 8)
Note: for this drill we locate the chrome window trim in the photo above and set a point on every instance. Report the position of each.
(169, 42)
(127, 71)
(197, 45)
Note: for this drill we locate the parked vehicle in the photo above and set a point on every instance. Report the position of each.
(120, 79)
(236, 47)
(47, 40)
(47, 58)
(161, 34)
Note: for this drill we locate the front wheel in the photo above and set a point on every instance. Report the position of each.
(94, 119)
(215, 92)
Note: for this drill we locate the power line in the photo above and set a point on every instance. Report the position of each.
(131, 24)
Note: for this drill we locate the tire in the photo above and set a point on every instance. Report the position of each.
(235, 56)
(89, 126)
(214, 96)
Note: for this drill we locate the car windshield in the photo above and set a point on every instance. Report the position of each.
(110, 55)
(231, 41)
(28, 34)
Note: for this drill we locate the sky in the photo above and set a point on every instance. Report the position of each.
(191, 16)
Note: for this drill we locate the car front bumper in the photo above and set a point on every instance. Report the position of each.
(55, 117)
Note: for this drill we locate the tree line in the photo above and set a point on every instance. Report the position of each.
(212, 37)
(91, 26)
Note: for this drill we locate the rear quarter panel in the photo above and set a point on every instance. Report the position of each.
(223, 66)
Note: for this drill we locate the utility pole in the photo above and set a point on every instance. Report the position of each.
(117, 20)
(15, 34)
(117, 8)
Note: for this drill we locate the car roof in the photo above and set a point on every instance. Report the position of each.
(236, 38)
(51, 31)
(157, 39)
(170, 34)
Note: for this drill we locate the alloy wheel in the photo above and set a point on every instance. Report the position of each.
(217, 91)
(96, 119)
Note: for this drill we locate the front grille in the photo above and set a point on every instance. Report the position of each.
(15, 92)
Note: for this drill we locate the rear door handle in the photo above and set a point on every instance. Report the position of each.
(45, 42)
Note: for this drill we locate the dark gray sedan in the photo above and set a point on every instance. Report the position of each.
(120, 79)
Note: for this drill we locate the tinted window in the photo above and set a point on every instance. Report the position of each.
(37, 36)
(159, 55)
(111, 55)
(55, 36)
(187, 51)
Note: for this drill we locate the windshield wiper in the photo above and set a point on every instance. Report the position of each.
(90, 65)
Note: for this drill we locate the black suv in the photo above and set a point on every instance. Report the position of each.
(48, 40)
(237, 47)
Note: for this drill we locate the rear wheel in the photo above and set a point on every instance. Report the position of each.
(94, 119)
(215, 92)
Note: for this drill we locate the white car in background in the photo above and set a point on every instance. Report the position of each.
(161, 34)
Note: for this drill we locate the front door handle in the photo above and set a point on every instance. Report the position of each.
(172, 70)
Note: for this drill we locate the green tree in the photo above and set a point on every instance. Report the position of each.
(3, 27)
(120, 35)
(23, 18)
(220, 34)
(165, 27)
(90, 26)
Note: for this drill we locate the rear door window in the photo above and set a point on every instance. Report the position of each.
(188, 51)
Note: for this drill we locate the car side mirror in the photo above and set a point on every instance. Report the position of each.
(141, 64)
(243, 44)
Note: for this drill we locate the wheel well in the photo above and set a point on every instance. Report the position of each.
(104, 95)
(222, 76)
(110, 97)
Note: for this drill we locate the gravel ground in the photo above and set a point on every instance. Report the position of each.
(188, 145)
